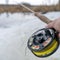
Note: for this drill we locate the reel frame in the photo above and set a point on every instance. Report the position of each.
(54, 38)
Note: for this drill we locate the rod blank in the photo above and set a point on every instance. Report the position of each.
(27, 8)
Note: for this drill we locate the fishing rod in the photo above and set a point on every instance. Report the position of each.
(43, 42)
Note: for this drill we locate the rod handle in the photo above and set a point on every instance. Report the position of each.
(42, 17)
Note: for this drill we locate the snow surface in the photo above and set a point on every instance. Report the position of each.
(15, 31)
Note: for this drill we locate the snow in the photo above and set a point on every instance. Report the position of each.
(15, 31)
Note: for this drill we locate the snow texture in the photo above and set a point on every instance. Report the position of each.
(15, 31)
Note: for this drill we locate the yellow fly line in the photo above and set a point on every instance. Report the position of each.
(48, 50)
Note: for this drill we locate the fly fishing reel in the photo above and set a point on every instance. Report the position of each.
(43, 42)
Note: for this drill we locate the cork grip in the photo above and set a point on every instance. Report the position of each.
(43, 18)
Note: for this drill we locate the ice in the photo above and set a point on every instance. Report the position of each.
(15, 31)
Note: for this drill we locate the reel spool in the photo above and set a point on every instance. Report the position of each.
(43, 42)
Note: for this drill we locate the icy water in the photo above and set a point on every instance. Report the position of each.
(15, 31)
